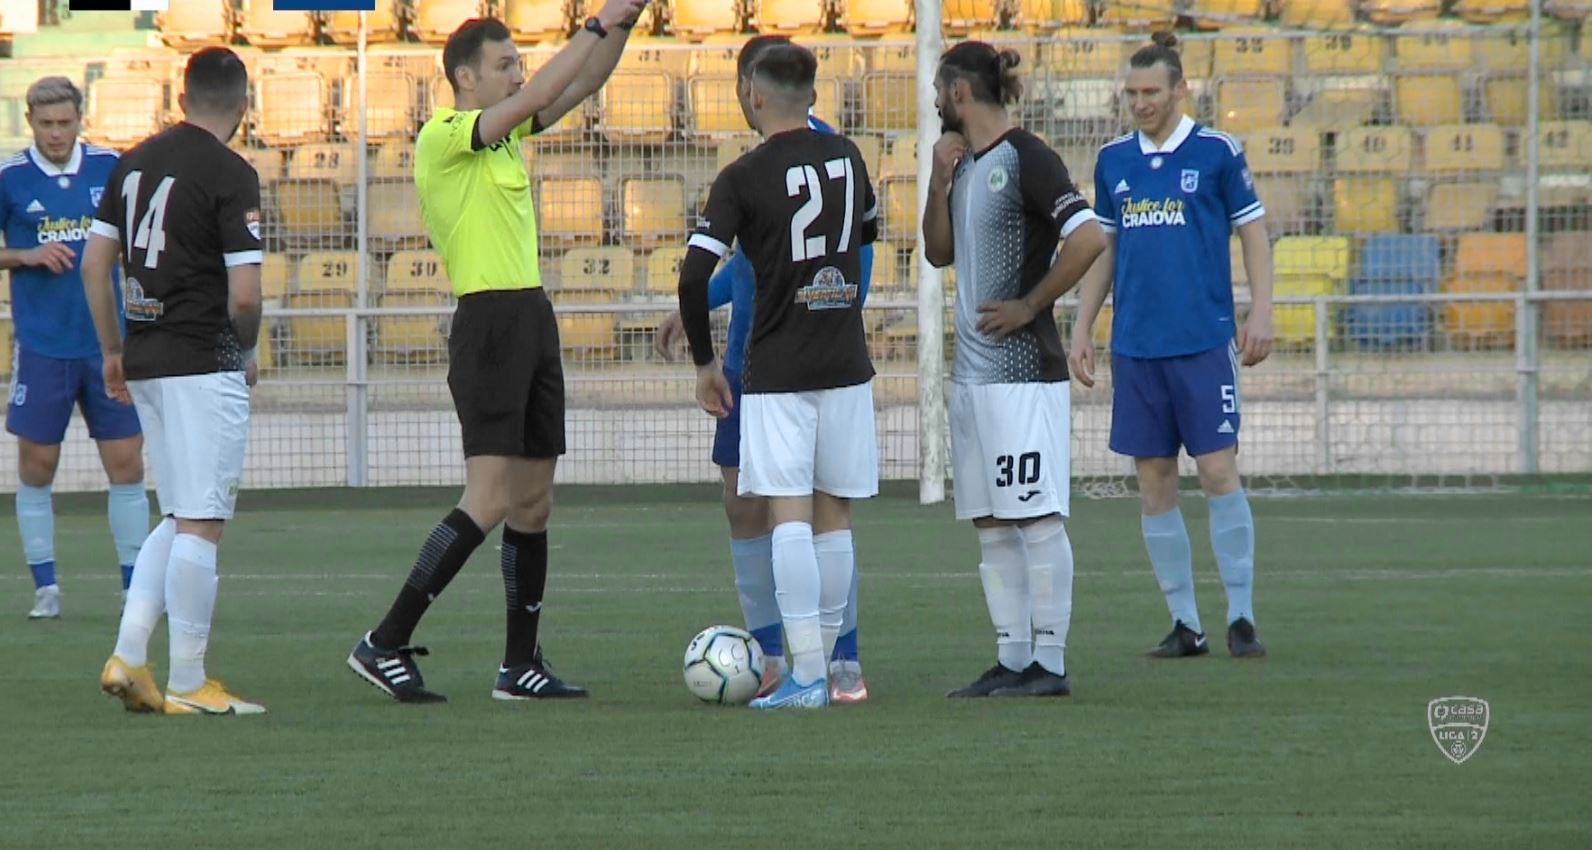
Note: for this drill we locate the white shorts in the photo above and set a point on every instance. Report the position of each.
(1011, 449)
(196, 427)
(793, 444)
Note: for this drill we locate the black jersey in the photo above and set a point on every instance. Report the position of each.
(802, 206)
(185, 208)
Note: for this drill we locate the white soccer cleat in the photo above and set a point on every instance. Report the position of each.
(46, 603)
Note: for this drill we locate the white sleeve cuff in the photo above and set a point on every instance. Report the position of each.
(1077, 220)
(708, 243)
(1248, 214)
(243, 258)
(105, 229)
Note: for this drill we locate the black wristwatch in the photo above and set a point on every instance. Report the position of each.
(595, 27)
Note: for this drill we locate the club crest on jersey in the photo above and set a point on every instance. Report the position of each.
(251, 222)
(95, 194)
(828, 291)
(1191, 180)
(997, 178)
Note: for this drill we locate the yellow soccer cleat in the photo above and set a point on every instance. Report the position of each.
(210, 698)
(134, 686)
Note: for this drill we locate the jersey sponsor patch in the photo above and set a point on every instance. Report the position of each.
(140, 308)
(64, 229)
(251, 221)
(828, 291)
(1167, 212)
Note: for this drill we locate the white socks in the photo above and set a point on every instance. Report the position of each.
(836, 567)
(146, 596)
(1005, 574)
(797, 587)
(190, 602)
(1049, 590)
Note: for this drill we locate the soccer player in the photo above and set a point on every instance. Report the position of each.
(504, 370)
(802, 206)
(48, 196)
(1168, 196)
(182, 214)
(999, 201)
(751, 549)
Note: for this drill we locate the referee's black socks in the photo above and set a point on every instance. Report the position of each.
(443, 555)
(524, 580)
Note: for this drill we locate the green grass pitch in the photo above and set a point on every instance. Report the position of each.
(1371, 606)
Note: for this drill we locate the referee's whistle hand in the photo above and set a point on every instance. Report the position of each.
(713, 391)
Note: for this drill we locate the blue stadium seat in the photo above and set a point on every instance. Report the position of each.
(1394, 265)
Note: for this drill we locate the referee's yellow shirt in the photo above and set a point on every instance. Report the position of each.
(477, 204)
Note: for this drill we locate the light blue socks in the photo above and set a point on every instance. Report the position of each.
(127, 508)
(1166, 539)
(1233, 541)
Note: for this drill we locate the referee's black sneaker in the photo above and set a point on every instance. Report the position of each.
(534, 681)
(991, 680)
(1036, 681)
(1182, 642)
(1242, 642)
(392, 671)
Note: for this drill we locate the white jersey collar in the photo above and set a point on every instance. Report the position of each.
(1185, 128)
(49, 168)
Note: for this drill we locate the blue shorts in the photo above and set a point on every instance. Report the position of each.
(1160, 404)
(44, 390)
(727, 437)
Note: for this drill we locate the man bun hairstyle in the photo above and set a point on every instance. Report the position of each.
(1161, 50)
(990, 73)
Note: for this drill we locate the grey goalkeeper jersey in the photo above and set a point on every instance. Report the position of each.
(1011, 204)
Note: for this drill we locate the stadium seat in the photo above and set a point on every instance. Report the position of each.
(435, 20)
(1400, 11)
(790, 17)
(638, 107)
(1565, 145)
(536, 20)
(394, 217)
(276, 276)
(1376, 150)
(831, 100)
(410, 339)
(328, 271)
(1294, 325)
(1464, 148)
(1569, 10)
(1140, 15)
(416, 270)
(1243, 105)
(900, 157)
(876, 17)
(1328, 256)
(1492, 11)
(1343, 53)
(310, 211)
(381, 25)
(698, 18)
(292, 108)
(123, 111)
(189, 26)
(1315, 14)
(1567, 265)
(652, 211)
(394, 106)
(1494, 253)
(267, 163)
(1485, 324)
(714, 107)
(1509, 51)
(1085, 100)
(1045, 16)
(1366, 205)
(1252, 52)
(1426, 100)
(334, 161)
(1290, 204)
(872, 149)
(263, 26)
(1331, 108)
(1394, 265)
(1283, 150)
(958, 18)
(1306, 266)
(662, 279)
(155, 62)
(900, 200)
(1223, 14)
(570, 210)
(837, 54)
(611, 269)
(393, 161)
(715, 57)
(1082, 53)
(731, 149)
(889, 101)
(315, 338)
(649, 55)
(1433, 46)
(1508, 99)
(1460, 206)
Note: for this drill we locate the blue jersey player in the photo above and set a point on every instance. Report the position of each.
(1169, 196)
(48, 196)
(751, 548)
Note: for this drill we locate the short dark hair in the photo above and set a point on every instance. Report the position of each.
(215, 81)
(788, 66)
(991, 73)
(753, 48)
(464, 46)
(1163, 51)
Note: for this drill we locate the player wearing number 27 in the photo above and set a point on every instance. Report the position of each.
(999, 201)
(1170, 195)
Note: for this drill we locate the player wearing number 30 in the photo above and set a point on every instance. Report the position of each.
(999, 201)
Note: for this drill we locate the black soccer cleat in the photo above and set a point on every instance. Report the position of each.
(535, 680)
(1242, 642)
(1182, 642)
(993, 679)
(392, 671)
(1036, 681)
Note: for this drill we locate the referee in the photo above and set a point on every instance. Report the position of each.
(503, 353)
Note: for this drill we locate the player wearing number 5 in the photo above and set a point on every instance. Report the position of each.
(999, 202)
(1171, 194)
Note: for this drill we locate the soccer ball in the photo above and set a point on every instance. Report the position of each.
(723, 664)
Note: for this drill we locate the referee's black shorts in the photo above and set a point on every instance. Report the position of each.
(505, 374)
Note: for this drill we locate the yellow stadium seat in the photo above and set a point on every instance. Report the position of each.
(1461, 148)
(536, 20)
(435, 20)
(309, 210)
(663, 272)
(1570, 10)
(1433, 48)
(731, 149)
(570, 210)
(1376, 150)
(189, 26)
(334, 161)
(267, 163)
(1332, 108)
(1565, 144)
(1566, 265)
(1366, 205)
(637, 106)
(1082, 53)
(1343, 53)
(1426, 100)
(394, 105)
(315, 338)
(889, 102)
(1510, 50)
(1508, 99)
(123, 111)
(1401, 11)
(1485, 324)
(876, 17)
(715, 57)
(900, 157)
(1243, 105)
(416, 270)
(1461, 206)
(393, 161)
(395, 214)
(1492, 11)
(1289, 202)
(790, 17)
(652, 211)
(960, 17)
(891, 57)
(263, 26)
(1283, 150)
(1328, 256)
(611, 269)
(292, 108)
(1255, 52)
(837, 54)
(714, 107)
(1043, 16)
(328, 271)
(1089, 100)
(381, 25)
(1139, 15)
(276, 276)
(1315, 14)
(1295, 324)
(900, 201)
(831, 98)
(698, 18)
(153, 62)
(650, 56)
(872, 149)
(412, 338)
(1220, 14)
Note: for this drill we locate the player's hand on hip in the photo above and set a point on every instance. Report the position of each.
(948, 151)
(713, 390)
(1254, 338)
(1001, 319)
(52, 255)
(1082, 359)
(667, 338)
(116, 379)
